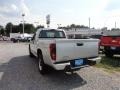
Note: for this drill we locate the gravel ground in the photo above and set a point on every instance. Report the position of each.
(19, 72)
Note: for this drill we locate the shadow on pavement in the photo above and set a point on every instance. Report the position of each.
(21, 73)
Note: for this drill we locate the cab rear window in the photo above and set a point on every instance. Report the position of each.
(51, 34)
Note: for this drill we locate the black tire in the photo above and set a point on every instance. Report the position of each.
(108, 54)
(30, 53)
(41, 65)
(14, 41)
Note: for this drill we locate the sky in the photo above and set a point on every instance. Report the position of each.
(102, 13)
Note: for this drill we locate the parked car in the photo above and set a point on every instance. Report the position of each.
(52, 48)
(15, 37)
(4, 38)
(110, 45)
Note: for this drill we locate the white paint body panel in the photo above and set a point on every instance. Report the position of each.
(66, 49)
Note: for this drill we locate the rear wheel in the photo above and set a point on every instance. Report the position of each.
(108, 54)
(42, 66)
(14, 40)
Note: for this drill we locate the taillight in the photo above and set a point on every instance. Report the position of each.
(53, 51)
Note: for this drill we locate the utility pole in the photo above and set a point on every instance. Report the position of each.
(89, 22)
(23, 23)
(115, 24)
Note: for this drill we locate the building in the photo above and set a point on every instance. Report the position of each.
(81, 32)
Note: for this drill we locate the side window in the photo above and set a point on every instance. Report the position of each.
(42, 34)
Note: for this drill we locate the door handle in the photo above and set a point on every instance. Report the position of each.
(80, 44)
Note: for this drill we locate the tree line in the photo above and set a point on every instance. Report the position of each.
(11, 28)
(73, 26)
(29, 28)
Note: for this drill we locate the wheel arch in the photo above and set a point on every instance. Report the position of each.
(39, 51)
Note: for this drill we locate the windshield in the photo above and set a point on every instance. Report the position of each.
(51, 34)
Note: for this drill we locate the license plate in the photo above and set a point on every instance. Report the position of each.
(77, 62)
(113, 48)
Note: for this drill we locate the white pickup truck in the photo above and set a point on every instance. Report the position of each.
(52, 48)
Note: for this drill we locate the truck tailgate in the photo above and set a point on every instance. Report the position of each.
(69, 49)
(110, 41)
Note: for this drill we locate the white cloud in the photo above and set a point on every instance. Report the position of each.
(9, 13)
(8, 8)
(4, 20)
(14, 7)
(24, 8)
(4, 9)
(97, 7)
(111, 17)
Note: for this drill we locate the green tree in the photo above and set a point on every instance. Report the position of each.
(8, 28)
(39, 26)
(29, 28)
(69, 27)
(73, 26)
(77, 26)
(1, 27)
(114, 29)
(2, 30)
(15, 29)
(20, 28)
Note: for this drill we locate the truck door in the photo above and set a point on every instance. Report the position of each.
(33, 43)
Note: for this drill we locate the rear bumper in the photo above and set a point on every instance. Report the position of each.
(109, 49)
(96, 59)
(60, 66)
(67, 66)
